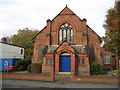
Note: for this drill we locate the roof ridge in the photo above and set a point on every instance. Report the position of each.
(72, 13)
(66, 10)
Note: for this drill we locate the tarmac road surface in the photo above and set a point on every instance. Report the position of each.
(39, 84)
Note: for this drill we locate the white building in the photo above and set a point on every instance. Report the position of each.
(11, 51)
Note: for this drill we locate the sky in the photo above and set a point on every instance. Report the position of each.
(33, 14)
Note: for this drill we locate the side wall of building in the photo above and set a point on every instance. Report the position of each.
(94, 41)
(41, 40)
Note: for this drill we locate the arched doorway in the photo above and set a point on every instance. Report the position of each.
(64, 59)
(65, 62)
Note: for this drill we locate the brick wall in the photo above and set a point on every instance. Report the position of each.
(94, 79)
(117, 62)
(71, 19)
(113, 62)
(87, 79)
(47, 68)
(95, 41)
(84, 69)
(42, 39)
(37, 42)
(28, 77)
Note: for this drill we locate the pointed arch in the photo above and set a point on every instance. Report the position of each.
(66, 32)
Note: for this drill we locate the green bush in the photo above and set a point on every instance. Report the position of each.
(20, 68)
(115, 73)
(22, 63)
(29, 68)
(36, 68)
(96, 69)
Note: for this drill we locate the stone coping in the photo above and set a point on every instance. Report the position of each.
(39, 74)
(109, 76)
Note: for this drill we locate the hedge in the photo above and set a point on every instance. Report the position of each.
(22, 64)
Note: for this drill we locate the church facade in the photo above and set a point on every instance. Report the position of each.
(67, 44)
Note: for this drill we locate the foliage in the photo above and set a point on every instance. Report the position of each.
(96, 69)
(24, 39)
(112, 26)
(20, 68)
(36, 68)
(29, 68)
(22, 63)
(115, 72)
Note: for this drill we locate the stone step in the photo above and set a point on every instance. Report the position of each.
(62, 75)
(65, 77)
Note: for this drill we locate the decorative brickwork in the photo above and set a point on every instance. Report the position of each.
(54, 41)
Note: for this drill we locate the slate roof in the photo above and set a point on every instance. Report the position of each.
(52, 48)
(78, 49)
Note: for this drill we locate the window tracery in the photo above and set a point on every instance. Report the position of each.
(66, 33)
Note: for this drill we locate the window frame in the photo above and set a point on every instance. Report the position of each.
(108, 62)
(66, 31)
(22, 51)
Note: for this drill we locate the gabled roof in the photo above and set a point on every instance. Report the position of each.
(64, 43)
(38, 33)
(93, 31)
(66, 11)
(52, 49)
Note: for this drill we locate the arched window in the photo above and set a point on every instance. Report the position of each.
(66, 33)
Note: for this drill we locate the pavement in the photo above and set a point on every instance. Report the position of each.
(56, 84)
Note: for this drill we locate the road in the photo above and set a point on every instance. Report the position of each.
(39, 84)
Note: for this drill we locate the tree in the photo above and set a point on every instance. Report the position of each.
(112, 26)
(24, 39)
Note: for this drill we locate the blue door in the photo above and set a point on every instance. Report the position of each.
(65, 64)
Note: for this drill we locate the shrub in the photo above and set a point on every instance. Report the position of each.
(96, 69)
(36, 68)
(22, 63)
(20, 68)
(29, 68)
(115, 73)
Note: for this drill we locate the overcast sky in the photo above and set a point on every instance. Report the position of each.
(19, 14)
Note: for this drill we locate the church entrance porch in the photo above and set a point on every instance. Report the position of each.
(64, 59)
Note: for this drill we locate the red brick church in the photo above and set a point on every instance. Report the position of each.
(67, 44)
